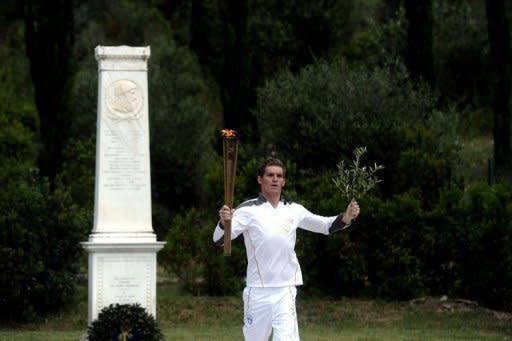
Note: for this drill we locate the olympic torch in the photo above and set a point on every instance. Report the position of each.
(230, 148)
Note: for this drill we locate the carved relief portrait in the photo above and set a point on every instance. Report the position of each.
(124, 100)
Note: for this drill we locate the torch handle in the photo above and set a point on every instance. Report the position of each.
(230, 147)
(227, 238)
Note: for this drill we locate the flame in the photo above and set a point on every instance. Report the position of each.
(228, 133)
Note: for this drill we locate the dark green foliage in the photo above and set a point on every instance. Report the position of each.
(199, 263)
(18, 150)
(182, 250)
(223, 275)
(460, 43)
(471, 232)
(182, 129)
(382, 44)
(40, 230)
(78, 171)
(396, 249)
(234, 74)
(377, 256)
(501, 84)
(394, 240)
(419, 51)
(295, 33)
(241, 43)
(39, 245)
(319, 116)
(49, 47)
(124, 322)
(431, 148)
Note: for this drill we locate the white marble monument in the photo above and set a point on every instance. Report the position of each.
(122, 247)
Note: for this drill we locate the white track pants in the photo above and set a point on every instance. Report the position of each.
(270, 309)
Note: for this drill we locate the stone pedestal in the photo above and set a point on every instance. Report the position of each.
(122, 246)
(121, 273)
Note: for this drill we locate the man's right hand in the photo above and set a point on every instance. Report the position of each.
(225, 213)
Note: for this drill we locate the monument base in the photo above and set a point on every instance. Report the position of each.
(122, 269)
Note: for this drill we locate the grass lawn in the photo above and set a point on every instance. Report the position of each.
(185, 317)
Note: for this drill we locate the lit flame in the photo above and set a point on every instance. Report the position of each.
(228, 133)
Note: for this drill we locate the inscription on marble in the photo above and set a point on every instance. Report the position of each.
(125, 279)
(124, 167)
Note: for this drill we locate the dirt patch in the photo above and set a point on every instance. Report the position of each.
(501, 315)
(442, 304)
(452, 305)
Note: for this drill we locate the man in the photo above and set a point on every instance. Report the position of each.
(268, 224)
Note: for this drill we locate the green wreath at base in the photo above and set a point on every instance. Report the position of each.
(124, 322)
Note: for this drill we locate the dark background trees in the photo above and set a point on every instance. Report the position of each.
(49, 39)
(419, 56)
(499, 45)
(425, 85)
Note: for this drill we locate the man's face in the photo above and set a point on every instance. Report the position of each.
(272, 181)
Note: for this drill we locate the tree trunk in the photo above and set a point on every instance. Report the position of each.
(419, 56)
(388, 9)
(499, 42)
(235, 71)
(202, 34)
(49, 43)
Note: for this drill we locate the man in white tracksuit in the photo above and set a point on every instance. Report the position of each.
(269, 224)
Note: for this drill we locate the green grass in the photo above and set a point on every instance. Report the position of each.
(185, 317)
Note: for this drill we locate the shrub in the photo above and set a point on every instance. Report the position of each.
(484, 261)
(445, 241)
(431, 148)
(399, 248)
(319, 116)
(78, 171)
(124, 322)
(40, 230)
(196, 260)
(181, 254)
(390, 238)
(40, 247)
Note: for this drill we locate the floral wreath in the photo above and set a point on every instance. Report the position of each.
(125, 322)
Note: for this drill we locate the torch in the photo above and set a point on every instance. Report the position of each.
(230, 148)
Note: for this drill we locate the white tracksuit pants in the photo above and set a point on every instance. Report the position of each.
(270, 309)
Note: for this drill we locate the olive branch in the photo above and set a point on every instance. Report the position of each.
(354, 180)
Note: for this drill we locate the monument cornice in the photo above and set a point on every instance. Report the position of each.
(116, 247)
(119, 58)
(122, 52)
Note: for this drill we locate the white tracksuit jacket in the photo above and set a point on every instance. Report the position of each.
(270, 235)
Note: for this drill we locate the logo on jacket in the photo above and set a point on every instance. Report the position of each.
(249, 320)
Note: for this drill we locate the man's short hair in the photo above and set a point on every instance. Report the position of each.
(271, 161)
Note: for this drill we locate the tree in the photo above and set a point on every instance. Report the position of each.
(49, 38)
(241, 44)
(234, 79)
(389, 9)
(419, 56)
(218, 35)
(499, 44)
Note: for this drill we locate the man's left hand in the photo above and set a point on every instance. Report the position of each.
(352, 212)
